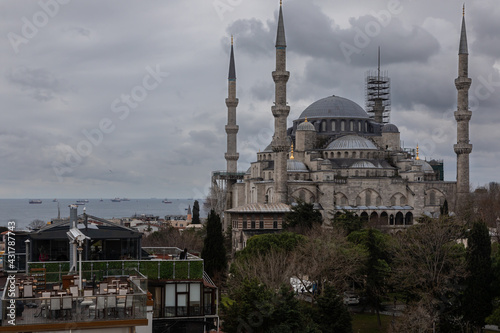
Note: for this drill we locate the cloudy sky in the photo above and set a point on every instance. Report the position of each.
(122, 98)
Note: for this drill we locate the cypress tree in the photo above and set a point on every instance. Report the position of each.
(196, 213)
(477, 303)
(214, 253)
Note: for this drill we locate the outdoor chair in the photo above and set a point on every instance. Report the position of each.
(67, 306)
(99, 306)
(111, 305)
(55, 306)
(127, 305)
(28, 291)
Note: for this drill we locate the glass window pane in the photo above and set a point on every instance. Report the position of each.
(182, 287)
(194, 292)
(170, 295)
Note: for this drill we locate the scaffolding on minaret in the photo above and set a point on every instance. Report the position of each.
(378, 95)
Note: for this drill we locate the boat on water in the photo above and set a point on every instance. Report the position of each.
(55, 200)
(125, 199)
(81, 202)
(166, 201)
(35, 201)
(116, 200)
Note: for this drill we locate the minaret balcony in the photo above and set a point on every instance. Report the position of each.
(462, 148)
(280, 110)
(463, 115)
(231, 156)
(463, 83)
(281, 76)
(231, 102)
(232, 129)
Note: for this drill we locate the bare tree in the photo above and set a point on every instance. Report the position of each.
(328, 257)
(37, 224)
(429, 264)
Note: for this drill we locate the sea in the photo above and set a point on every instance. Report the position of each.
(23, 213)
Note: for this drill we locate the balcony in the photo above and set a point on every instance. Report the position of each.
(28, 307)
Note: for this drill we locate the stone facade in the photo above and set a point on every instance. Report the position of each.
(338, 158)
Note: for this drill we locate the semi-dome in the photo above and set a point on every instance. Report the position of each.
(363, 164)
(348, 142)
(390, 128)
(334, 107)
(293, 165)
(306, 126)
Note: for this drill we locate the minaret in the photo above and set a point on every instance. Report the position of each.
(280, 112)
(231, 127)
(463, 148)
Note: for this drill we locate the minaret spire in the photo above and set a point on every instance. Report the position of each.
(280, 111)
(231, 127)
(463, 115)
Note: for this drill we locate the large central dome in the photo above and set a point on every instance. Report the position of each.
(334, 107)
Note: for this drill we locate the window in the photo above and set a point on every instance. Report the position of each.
(253, 224)
(261, 224)
(351, 126)
(275, 224)
(245, 224)
(194, 299)
(342, 126)
(333, 125)
(323, 126)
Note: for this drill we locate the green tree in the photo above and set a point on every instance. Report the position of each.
(253, 307)
(214, 253)
(477, 304)
(333, 316)
(376, 268)
(302, 217)
(444, 208)
(263, 244)
(196, 213)
(347, 221)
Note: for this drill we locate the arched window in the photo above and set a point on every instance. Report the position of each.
(358, 201)
(366, 126)
(393, 201)
(368, 198)
(339, 155)
(302, 195)
(432, 198)
(356, 173)
(332, 124)
(359, 125)
(353, 154)
(342, 126)
(346, 155)
(351, 126)
(361, 155)
(323, 126)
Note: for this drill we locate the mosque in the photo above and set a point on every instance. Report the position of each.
(340, 157)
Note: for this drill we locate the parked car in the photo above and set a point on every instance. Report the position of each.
(350, 298)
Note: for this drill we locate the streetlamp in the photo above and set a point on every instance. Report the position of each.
(80, 249)
(27, 242)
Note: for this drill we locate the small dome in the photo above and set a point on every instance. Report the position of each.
(390, 128)
(334, 107)
(293, 165)
(363, 164)
(426, 167)
(351, 142)
(306, 126)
